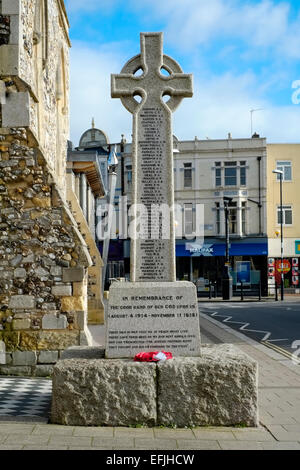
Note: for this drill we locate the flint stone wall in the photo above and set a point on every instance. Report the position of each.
(219, 389)
(40, 240)
(39, 244)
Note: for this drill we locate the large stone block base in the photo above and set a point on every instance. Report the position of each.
(100, 392)
(218, 389)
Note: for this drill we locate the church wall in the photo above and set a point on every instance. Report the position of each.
(44, 258)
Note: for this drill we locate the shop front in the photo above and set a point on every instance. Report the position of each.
(203, 263)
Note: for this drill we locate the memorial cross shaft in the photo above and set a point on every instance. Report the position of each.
(152, 257)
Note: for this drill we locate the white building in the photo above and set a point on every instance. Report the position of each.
(206, 171)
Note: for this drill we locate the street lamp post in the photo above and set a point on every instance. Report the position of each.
(112, 166)
(280, 173)
(227, 279)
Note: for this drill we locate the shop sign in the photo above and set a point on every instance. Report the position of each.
(204, 250)
(285, 268)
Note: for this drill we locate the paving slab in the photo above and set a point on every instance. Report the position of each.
(11, 447)
(134, 432)
(153, 444)
(280, 445)
(70, 441)
(281, 434)
(110, 443)
(174, 433)
(235, 445)
(198, 445)
(30, 447)
(27, 439)
(292, 427)
(94, 432)
(53, 430)
(206, 434)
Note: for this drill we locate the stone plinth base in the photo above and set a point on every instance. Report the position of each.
(218, 389)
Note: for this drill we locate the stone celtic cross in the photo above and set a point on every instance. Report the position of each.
(152, 257)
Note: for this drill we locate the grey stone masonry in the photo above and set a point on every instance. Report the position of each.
(24, 358)
(73, 274)
(52, 322)
(83, 352)
(62, 291)
(22, 302)
(10, 7)
(48, 357)
(16, 110)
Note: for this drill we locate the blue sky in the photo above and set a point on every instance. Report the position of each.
(243, 54)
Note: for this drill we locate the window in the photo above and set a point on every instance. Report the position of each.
(188, 219)
(129, 174)
(187, 175)
(230, 173)
(232, 218)
(244, 208)
(243, 173)
(286, 167)
(218, 221)
(287, 213)
(218, 174)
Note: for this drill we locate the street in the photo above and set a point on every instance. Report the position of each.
(276, 323)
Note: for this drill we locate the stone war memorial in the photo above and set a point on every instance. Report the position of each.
(208, 385)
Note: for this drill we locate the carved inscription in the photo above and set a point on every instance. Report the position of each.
(153, 322)
(153, 191)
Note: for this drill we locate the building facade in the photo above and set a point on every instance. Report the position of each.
(206, 171)
(286, 158)
(44, 257)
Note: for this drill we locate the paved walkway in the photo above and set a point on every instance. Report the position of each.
(279, 405)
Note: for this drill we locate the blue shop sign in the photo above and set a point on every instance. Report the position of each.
(185, 248)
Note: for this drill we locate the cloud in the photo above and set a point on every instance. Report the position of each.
(221, 104)
(265, 24)
(90, 91)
